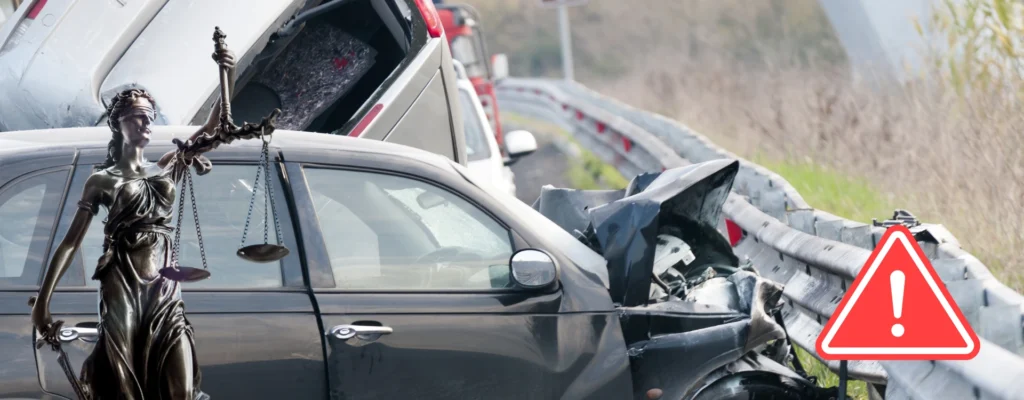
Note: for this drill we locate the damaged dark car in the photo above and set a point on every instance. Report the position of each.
(696, 323)
(411, 279)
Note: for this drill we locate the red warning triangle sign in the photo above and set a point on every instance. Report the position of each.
(897, 309)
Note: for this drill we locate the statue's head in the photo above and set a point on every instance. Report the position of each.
(129, 116)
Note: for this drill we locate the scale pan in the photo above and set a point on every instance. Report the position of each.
(184, 274)
(263, 253)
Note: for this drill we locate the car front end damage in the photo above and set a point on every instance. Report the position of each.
(698, 323)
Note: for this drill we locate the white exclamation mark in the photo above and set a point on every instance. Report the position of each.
(896, 281)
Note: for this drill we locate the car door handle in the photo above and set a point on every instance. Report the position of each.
(84, 334)
(365, 332)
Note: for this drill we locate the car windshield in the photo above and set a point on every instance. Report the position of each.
(476, 140)
(467, 52)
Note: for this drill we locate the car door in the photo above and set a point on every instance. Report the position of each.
(411, 280)
(255, 327)
(32, 185)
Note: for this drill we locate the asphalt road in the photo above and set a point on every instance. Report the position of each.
(546, 166)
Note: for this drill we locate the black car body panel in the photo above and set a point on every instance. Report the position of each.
(274, 341)
(657, 361)
(564, 343)
(233, 333)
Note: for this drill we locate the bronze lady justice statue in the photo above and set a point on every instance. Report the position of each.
(146, 348)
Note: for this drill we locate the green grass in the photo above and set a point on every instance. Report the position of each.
(824, 189)
(855, 390)
(520, 121)
(594, 174)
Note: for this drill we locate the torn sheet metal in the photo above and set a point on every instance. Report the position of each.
(623, 225)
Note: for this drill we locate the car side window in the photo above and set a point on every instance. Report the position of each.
(387, 232)
(477, 147)
(27, 211)
(222, 197)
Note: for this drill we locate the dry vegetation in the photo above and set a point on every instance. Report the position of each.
(768, 80)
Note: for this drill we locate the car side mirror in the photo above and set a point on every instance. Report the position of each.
(518, 144)
(499, 64)
(532, 269)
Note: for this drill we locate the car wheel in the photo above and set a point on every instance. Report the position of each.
(758, 385)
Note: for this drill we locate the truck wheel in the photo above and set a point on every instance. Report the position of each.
(758, 385)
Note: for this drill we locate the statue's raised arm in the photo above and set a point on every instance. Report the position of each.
(219, 127)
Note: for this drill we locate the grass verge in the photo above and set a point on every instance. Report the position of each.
(594, 174)
(855, 390)
(823, 188)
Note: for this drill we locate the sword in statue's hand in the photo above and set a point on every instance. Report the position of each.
(51, 337)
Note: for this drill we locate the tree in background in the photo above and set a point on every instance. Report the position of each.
(981, 50)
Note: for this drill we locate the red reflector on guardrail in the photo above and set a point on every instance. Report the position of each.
(735, 233)
(600, 127)
(579, 115)
(627, 144)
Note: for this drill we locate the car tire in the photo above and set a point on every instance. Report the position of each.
(758, 385)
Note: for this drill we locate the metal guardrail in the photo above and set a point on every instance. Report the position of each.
(813, 253)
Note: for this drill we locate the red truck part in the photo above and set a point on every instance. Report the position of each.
(461, 22)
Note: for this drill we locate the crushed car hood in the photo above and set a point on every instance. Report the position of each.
(623, 225)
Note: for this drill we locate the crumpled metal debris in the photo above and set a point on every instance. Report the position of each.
(623, 225)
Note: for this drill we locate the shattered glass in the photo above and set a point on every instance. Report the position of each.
(319, 67)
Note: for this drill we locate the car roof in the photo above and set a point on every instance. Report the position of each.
(98, 137)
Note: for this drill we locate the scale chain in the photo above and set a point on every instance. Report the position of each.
(266, 193)
(195, 215)
(269, 203)
(252, 201)
(270, 194)
(175, 249)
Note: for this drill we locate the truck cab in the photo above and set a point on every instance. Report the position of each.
(461, 24)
